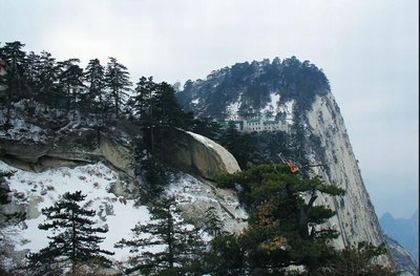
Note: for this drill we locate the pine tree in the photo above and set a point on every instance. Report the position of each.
(6, 218)
(154, 110)
(152, 171)
(154, 106)
(141, 102)
(32, 72)
(226, 256)
(118, 82)
(14, 81)
(181, 246)
(356, 260)
(74, 241)
(207, 127)
(213, 225)
(239, 144)
(48, 75)
(95, 94)
(167, 111)
(285, 226)
(71, 82)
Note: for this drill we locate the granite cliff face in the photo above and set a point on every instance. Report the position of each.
(356, 216)
(195, 154)
(78, 146)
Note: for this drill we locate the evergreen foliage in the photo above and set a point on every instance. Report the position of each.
(96, 97)
(7, 218)
(181, 246)
(154, 105)
(71, 82)
(213, 225)
(74, 241)
(284, 228)
(153, 172)
(207, 127)
(226, 256)
(356, 260)
(254, 82)
(155, 110)
(118, 82)
(241, 145)
(15, 79)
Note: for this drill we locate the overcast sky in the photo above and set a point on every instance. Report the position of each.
(368, 50)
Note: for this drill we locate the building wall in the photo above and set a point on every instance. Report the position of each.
(254, 125)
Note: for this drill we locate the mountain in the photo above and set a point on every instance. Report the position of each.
(296, 97)
(62, 132)
(404, 231)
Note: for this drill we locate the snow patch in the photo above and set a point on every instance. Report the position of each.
(233, 108)
(22, 130)
(191, 192)
(287, 109)
(116, 213)
(272, 105)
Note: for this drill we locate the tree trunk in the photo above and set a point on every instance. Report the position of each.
(73, 253)
(170, 241)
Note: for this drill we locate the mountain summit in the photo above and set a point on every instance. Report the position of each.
(296, 97)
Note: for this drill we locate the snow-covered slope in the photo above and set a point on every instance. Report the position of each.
(30, 192)
(35, 191)
(195, 196)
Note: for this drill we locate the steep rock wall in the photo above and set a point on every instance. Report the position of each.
(356, 216)
(81, 145)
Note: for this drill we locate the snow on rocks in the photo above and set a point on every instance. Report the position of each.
(22, 130)
(287, 109)
(272, 104)
(40, 190)
(232, 109)
(194, 196)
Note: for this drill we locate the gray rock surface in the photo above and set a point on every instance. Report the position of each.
(356, 217)
(196, 154)
(404, 260)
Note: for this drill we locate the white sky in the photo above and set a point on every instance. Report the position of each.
(367, 48)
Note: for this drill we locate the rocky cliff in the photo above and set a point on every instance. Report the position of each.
(356, 216)
(186, 151)
(405, 262)
(194, 153)
(101, 164)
